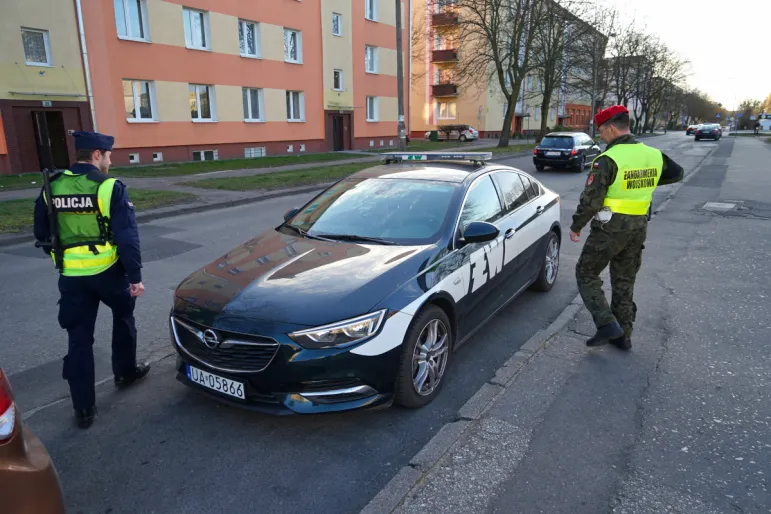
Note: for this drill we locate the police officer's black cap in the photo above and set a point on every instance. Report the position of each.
(92, 141)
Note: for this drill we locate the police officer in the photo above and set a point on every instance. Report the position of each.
(616, 199)
(101, 262)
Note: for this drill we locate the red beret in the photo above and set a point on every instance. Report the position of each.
(606, 114)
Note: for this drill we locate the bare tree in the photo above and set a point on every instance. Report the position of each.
(497, 38)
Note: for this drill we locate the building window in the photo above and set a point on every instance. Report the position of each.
(205, 155)
(370, 10)
(196, 29)
(446, 110)
(131, 19)
(253, 104)
(537, 113)
(337, 24)
(157, 156)
(258, 151)
(138, 97)
(372, 108)
(552, 113)
(37, 47)
(201, 103)
(249, 38)
(295, 106)
(293, 46)
(338, 80)
(133, 158)
(370, 58)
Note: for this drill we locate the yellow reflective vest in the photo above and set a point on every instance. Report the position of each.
(639, 170)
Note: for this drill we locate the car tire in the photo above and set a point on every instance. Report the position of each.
(550, 265)
(463, 138)
(581, 166)
(697, 138)
(540, 167)
(410, 370)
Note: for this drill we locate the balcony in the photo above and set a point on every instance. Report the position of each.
(444, 55)
(443, 19)
(444, 90)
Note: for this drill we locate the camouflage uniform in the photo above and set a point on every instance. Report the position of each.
(619, 242)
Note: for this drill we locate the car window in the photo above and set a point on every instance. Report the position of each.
(514, 193)
(400, 210)
(556, 142)
(531, 187)
(482, 204)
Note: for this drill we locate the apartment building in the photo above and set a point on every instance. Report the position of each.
(203, 80)
(436, 98)
(42, 88)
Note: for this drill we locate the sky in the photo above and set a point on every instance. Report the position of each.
(727, 42)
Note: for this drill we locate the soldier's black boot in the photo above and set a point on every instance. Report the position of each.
(140, 372)
(622, 343)
(85, 417)
(605, 333)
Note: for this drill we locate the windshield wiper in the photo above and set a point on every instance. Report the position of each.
(354, 237)
(306, 234)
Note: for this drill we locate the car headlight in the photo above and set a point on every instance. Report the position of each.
(340, 333)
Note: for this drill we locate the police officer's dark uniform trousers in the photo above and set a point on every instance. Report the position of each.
(622, 181)
(98, 233)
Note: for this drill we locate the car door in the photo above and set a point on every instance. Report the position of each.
(541, 214)
(485, 260)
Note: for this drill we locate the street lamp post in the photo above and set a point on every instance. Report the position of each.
(400, 77)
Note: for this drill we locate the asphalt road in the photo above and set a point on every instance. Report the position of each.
(163, 448)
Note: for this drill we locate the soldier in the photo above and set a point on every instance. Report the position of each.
(98, 244)
(616, 199)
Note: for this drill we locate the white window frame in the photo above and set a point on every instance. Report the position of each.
(339, 18)
(447, 117)
(189, 42)
(46, 43)
(342, 80)
(153, 106)
(373, 116)
(260, 104)
(301, 118)
(537, 113)
(145, 21)
(212, 103)
(257, 39)
(370, 10)
(287, 58)
(374, 61)
(215, 154)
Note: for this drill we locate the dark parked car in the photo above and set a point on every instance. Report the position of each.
(709, 131)
(565, 150)
(691, 129)
(359, 298)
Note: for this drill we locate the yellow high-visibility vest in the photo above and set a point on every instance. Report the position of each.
(639, 171)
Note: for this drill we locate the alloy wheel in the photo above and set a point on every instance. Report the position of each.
(429, 357)
(552, 260)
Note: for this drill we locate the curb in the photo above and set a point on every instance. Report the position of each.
(396, 490)
(156, 214)
(392, 495)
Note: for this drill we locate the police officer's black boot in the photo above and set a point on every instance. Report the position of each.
(140, 372)
(85, 417)
(622, 343)
(606, 333)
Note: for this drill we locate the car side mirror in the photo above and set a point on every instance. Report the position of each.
(480, 232)
(290, 213)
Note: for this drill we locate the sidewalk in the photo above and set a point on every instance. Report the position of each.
(682, 423)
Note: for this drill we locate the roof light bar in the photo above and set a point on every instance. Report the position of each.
(475, 157)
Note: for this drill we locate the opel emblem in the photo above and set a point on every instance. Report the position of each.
(210, 339)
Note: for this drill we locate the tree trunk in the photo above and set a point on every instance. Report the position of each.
(503, 142)
(545, 107)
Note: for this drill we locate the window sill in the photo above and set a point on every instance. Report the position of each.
(198, 48)
(204, 121)
(296, 121)
(371, 72)
(337, 35)
(370, 19)
(39, 64)
(254, 121)
(373, 121)
(249, 56)
(134, 39)
(292, 62)
(338, 90)
(141, 121)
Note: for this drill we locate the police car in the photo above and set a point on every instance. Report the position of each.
(359, 298)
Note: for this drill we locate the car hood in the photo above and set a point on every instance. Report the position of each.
(289, 279)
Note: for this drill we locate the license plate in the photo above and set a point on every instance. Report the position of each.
(553, 154)
(215, 383)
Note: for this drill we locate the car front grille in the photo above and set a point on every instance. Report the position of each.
(235, 353)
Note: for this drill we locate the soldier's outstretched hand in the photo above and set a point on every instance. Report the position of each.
(575, 236)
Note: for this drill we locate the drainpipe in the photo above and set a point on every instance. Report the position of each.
(84, 54)
(409, 96)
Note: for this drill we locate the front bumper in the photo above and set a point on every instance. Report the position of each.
(297, 380)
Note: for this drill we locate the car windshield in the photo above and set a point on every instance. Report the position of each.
(557, 142)
(401, 211)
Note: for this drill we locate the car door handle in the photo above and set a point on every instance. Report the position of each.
(539, 209)
(509, 233)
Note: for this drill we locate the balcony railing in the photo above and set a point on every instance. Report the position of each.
(444, 90)
(442, 19)
(444, 56)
